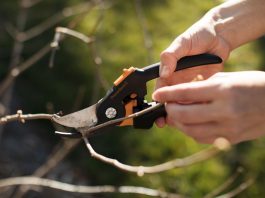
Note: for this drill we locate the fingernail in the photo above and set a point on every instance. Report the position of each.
(164, 71)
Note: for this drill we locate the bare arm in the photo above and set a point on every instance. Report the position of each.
(239, 21)
(221, 30)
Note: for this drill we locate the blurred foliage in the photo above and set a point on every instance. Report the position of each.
(120, 43)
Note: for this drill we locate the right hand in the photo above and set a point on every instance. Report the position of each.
(199, 38)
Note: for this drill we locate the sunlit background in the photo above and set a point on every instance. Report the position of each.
(127, 33)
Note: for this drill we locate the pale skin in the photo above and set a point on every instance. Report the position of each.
(230, 105)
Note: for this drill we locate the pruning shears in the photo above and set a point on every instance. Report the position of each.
(126, 97)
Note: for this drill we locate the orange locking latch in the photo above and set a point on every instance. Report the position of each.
(126, 72)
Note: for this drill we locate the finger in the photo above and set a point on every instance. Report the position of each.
(208, 132)
(195, 91)
(205, 132)
(160, 122)
(193, 113)
(202, 133)
(177, 49)
(168, 63)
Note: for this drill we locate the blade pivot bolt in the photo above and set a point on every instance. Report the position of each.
(111, 112)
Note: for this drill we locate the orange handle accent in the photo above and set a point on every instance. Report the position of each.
(129, 110)
(126, 72)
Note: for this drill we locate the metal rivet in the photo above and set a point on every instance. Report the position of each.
(111, 112)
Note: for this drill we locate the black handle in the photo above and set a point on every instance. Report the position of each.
(146, 120)
(152, 71)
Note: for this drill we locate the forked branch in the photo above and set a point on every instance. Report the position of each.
(219, 145)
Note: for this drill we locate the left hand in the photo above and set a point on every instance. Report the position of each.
(229, 105)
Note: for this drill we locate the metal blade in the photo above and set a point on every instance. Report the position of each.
(84, 118)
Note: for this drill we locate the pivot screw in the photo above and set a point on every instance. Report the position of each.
(111, 112)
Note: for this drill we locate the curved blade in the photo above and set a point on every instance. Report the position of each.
(83, 118)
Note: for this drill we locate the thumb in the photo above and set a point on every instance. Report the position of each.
(169, 57)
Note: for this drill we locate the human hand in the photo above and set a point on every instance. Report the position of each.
(221, 30)
(199, 38)
(229, 105)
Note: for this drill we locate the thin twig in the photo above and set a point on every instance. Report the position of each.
(148, 44)
(36, 181)
(238, 190)
(226, 184)
(95, 52)
(59, 35)
(11, 30)
(60, 151)
(61, 31)
(66, 12)
(30, 3)
(58, 154)
(66, 146)
(97, 65)
(17, 70)
(95, 27)
(75, 34)
(219, 145)
(19, 116)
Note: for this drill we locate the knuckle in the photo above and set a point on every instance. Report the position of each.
(185, 95)
(185, 39)
(230, 102)
(166, 54)
(230, 111)
(178, 114)
(183, 116)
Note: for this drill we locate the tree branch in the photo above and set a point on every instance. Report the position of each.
(148, 44)
(60, 151)
(36, 181)
(226, 184)
(53, 20)
(219, 145)
(238, 190)
(30, 3)
(17, 70)
(60, 33)
(19, 116)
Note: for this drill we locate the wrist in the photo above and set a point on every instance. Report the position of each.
(238, 22)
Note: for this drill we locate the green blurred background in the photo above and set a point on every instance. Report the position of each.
(128, 33)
